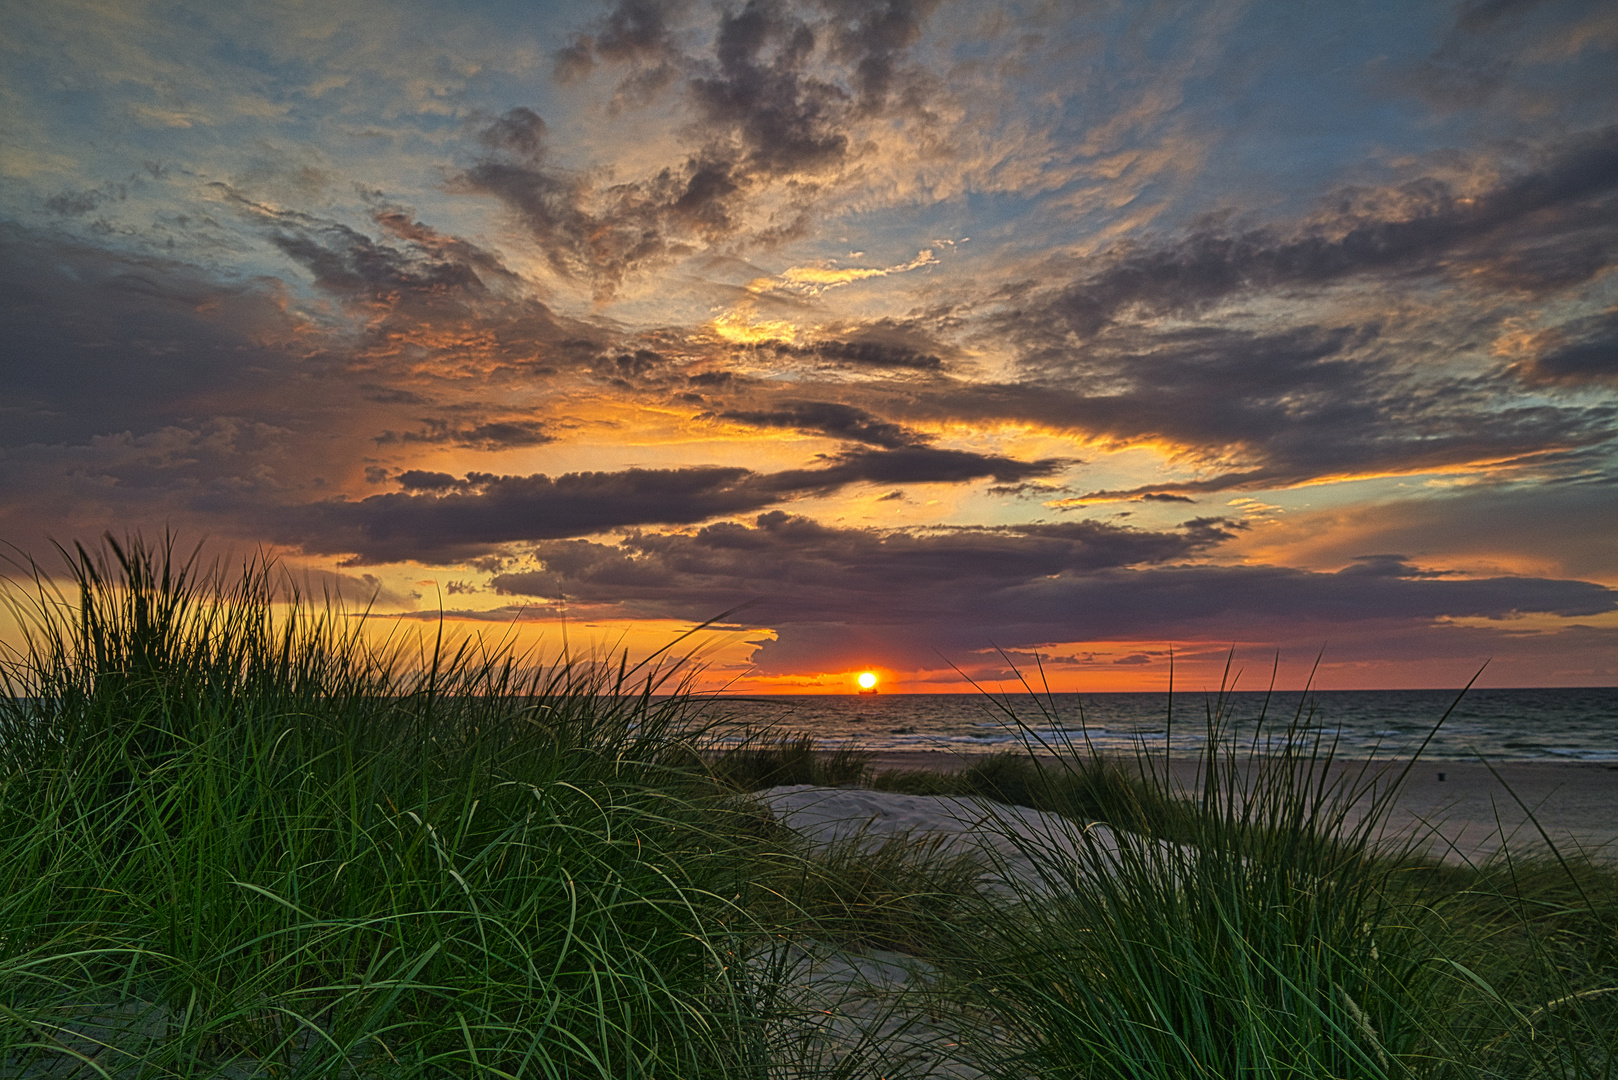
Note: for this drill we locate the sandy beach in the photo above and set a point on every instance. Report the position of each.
(850, 1004)
(1463, 811)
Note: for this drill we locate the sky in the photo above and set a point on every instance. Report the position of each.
(1093, 341)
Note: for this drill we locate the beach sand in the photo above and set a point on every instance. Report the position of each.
(875, 1014)
(877, 1008)
(1468, 815)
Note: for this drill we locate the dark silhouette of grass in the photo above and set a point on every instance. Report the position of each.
(771, 760)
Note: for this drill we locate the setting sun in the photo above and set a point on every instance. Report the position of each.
(867, 680)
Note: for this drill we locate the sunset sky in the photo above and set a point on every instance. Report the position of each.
(943, 334)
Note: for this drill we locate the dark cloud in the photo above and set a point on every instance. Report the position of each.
(859, 353)
(816, 570)
(428, 243)
(393, 395)
(418, 294)
(1234, 599)
(77, 203)
(490, 435)
(913, 465)
(774, 104)
(712, 380)
(1425, 227)
(874, 354)
(636, 32)
(1478, 16)
(835, 594)
(786, 121)
(1491, 44)
(411, 265)
(348, 263)
(1034, 489)
(146, 391)
(873, 38)
(583, 233)
(868, 39)
(98, 342)
(439, 518)
(1580, 352)
(1387, 566)
(1273, 409)
(834, 419)
(1223, 388)
(877, 343)
(426, 480)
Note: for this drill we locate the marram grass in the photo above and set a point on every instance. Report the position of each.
(1260, 926)
(238, 838)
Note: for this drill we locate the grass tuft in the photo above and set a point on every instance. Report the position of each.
(236, 835)
(766, 760)
(1259, 925)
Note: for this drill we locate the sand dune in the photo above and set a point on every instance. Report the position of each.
(1458, 810)
(878, 1007)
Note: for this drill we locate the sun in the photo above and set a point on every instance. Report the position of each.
(867, 680)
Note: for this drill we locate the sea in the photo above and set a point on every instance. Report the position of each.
(1495, 725)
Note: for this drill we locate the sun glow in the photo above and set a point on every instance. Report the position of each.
(738, 328)
(867, 680)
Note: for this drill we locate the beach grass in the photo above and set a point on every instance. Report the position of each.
(1261, 924)
(236, 836)
(240, 837)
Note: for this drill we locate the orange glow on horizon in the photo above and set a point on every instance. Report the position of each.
(1198, 669)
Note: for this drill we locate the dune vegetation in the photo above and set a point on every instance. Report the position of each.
(239, 837)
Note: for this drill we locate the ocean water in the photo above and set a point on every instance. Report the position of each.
(1498, 725)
